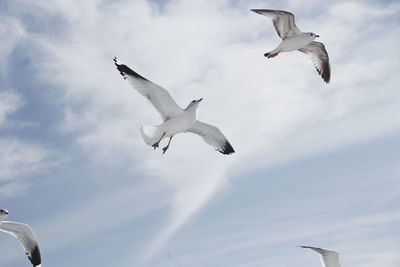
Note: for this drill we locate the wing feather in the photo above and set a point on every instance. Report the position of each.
(26, 238)
(320, 57)
(158, 96)
(212, 136)
(330, 258)
(283, 22)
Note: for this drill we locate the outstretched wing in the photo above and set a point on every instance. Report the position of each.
(212, 136)
(283, 22)
(320, 58)
(330, 258)
(158, 96)
(26, 238)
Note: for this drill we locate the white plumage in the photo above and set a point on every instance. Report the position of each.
(294, 39)
(25, 236)
(175, 119)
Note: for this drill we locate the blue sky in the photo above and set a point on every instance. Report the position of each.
(316, 164)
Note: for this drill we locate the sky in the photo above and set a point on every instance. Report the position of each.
(315, 164)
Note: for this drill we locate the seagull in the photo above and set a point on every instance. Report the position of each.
(329, 258)
(25, 236)
(294, 39)
(175, 119)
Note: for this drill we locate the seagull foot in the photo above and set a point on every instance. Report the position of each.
(155, 145)
(165, 149)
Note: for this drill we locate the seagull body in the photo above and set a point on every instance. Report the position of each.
(329, 258)
(179, 123)
(292, 43)
(294, 39)
(25, 236)
(175, 119)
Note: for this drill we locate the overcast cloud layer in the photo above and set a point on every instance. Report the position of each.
(316, 164)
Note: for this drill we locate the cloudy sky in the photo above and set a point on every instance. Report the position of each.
(316, 164)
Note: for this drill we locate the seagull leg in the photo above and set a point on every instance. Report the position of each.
(165, 148)
(155, 145)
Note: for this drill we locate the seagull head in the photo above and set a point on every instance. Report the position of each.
(312, 35)
(3, 214)
(194, 103)
(4, 211)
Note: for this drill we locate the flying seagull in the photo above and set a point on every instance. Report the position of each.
(175, 119)
(25, 236)
(329, 258)
(294, 39)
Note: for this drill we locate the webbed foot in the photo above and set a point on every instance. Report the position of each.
(165, 149)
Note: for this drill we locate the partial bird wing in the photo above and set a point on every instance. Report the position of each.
(330, 258)
(283, 22)
(320, 58)
(26, 238)
(158, 96)
(212, 136)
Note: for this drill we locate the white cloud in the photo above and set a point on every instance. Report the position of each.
(18, 158)
(271, 110)
(262, 236)
(11, 33)
(9, 102)
(13, 189)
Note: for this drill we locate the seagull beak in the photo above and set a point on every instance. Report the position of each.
(199, 99)
(317, 35)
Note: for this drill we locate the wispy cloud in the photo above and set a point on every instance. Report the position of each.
(295, 112)
(18, 158)
(12, 32)
(273, 111)
(9, 102)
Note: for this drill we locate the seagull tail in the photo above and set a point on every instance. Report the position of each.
(151, 134)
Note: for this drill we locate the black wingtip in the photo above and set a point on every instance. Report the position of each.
(326, 73)
(256, 10)
(260, 11)
(228, 149)
(125, 70)
(35, 256)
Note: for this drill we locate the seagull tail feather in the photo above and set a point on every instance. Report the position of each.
(151, 134)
